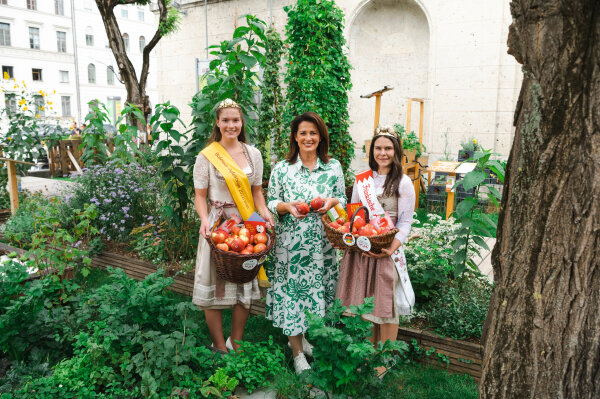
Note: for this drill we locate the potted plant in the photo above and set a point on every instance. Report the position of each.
(468, 148)
(413, 149)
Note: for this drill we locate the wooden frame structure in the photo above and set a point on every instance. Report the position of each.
(13, 188)
(413, 168)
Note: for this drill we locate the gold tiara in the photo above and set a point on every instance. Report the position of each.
(395, 136)
(385, 131)
(228, 103)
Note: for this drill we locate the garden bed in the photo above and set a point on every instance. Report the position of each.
(464, 357)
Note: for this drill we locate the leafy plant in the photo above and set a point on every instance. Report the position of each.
(460, 307)
(318, 71)
(255, 364)
(470, 145)
(224, 384)
(410, 141)
(270, 134)
(93, 138)
(475, 226)
(344, 359)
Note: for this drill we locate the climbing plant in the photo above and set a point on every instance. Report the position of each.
(233, 74)
(270, 121)
(318, 71)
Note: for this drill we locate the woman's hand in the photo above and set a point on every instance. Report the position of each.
(266, 215)
(205, 230)
(328, 203)
(385, 252)
(292, 210)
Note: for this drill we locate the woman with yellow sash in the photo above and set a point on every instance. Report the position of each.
(227, 165)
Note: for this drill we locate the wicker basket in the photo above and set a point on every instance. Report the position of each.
(239, 268)
(336, 237)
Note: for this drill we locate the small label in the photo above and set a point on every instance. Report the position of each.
(260, 228)
(450, 183)
(363, 243)
(250, 264)
(348, 239)
(262, 259)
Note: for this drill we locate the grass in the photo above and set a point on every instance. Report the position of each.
(416, 381)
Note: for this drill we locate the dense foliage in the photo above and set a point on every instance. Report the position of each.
(318, 71)
(271, 139)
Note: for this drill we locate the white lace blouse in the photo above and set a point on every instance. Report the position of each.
(406, 202)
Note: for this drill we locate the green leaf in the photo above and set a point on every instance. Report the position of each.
(464, 207)
(481, 242)
(247, 60)
(473, 179)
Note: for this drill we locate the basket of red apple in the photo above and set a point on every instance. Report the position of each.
(359, 234)
(238, 254)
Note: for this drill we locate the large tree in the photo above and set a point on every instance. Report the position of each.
(542, 337)
(168, 18)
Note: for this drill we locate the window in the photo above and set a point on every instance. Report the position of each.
(61, 41)
(110, 75)
(4, 2)
(34, 37)
(59, 7)
(126, 41)
(7, 71)
(36, 74)
(38, 101)
(91, 73)
(124, 13)
(65, 101)
(10, 100)
(63, 76)
(4, 34)
(89, 40)
(32, 4)
(141, 16)
(142, 43)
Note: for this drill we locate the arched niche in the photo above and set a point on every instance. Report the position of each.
(388, 44)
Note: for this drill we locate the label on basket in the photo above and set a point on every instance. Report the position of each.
(348, 239)
(262, 259)
(250, 264)
(363, 243)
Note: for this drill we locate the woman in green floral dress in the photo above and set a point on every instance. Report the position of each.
(305, 272)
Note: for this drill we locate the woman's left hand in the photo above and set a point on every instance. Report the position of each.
(266, 215)
(328, 203)
(385, 253)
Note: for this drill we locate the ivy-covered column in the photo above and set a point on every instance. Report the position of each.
(318, 71)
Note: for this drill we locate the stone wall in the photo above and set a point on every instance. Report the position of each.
(450, 53)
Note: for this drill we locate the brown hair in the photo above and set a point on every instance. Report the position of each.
(216, 135)
(392, 180)
(322, 148)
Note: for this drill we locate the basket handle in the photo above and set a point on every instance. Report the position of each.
(355, 214)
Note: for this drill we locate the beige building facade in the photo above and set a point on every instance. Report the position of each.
(452, 54)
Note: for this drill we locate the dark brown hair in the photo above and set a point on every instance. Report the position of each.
(393, 178)
(216, 135)
(322, 148)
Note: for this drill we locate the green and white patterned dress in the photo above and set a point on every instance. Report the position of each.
(304, 272)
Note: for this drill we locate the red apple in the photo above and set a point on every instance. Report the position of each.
(366, 230)
(259, 247)
(344, 229)
(246, 252)
(359, 222)
(316, 203)
(260, 238)
(244, 232)
(223, 247)
(244, 239)
(218, 237)
(249, 247)
(236, 230)
(335, 225)
(237, 244)
(302, 208)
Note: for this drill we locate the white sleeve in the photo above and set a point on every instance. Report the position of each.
(406, 208)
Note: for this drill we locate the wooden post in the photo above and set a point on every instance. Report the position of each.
(450, 197)
(377, 108)
(13, 188)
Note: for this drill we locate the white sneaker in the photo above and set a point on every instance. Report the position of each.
(307, 348)
(300, 363)
(228, 344)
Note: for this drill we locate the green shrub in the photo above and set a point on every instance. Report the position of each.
(255, 364)
(344, 359)
(459, 309)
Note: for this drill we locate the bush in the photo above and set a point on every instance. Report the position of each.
(459, 309)
(124, 196)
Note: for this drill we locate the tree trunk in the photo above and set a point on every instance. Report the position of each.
(542, 336)
(136, 90)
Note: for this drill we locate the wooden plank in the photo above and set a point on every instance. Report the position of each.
(449, 341)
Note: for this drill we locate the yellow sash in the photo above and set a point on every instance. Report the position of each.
(238, 185)
(236, 180)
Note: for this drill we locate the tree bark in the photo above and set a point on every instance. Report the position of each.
(136, 89)
(543, 326)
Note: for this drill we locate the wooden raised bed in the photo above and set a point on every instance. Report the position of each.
(465, 357)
